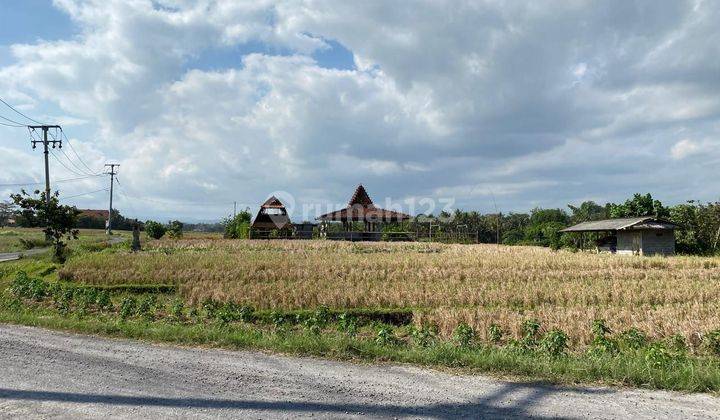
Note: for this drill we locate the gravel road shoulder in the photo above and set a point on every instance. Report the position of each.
(54, 374)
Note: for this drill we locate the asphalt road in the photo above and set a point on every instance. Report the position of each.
(12, 256)
(51, 374)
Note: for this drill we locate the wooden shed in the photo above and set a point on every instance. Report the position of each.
(272, 216)
(631, 236)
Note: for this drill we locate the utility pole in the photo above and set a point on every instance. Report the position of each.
(112, 181)
(45, 144)
(234, 209)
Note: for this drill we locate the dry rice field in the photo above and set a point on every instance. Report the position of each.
(444, 284)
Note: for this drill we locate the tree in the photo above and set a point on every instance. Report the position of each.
(60, 221)
(587, 211)
(639, 206)
(238, 226)
(6, 211)
(175, 229)
(154, 229)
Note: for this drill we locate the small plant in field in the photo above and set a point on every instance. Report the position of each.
(177, 310)
(495, 333)
(554, 342)
(62, 298)
(601, 343)
(633, 339)
(194, 314)
(712, 342)
(279, 321)
(385, 336)
(146, 307)
(464, 335)
(677, 343)
(423, 336)
(127, 307)
(531, 330)
(659, 357)
(83, 300)
(210, 307)
(103, 301)
(322, 315)
(246, 313)
(313, 325)
(347, 324)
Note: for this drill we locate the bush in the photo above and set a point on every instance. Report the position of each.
(177, 309)
(237, 227)
(554, 342)
(495, 333)
(633, 339)
(530, 329)
(155, 230)
(127, 308)
(347, 324)
(712, 342)
(175, 229)
(423, 336)
(385, 336)
(601, 342)
(464, 335)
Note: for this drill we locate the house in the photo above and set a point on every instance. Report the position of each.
(271, 217)
(360, 208)
(631, 236)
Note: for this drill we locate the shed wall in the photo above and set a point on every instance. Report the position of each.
(646, 242)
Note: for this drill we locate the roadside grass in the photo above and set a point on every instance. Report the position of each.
(41, 300)
(20, 239)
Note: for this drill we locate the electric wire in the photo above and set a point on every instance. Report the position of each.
(76, 154)
(25, 184)
(87, 193)
(20, 113)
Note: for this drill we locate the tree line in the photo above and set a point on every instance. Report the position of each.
(700, 223)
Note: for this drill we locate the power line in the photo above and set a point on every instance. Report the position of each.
(87, 193)
(41, 183)
(65, 166)
(13, 121)
(20, 113)
(11, 125)
(67, 140)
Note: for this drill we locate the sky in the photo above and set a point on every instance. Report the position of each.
(476, 105)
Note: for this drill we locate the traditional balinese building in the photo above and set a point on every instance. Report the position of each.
(271, 216)
(360, 208)
(631, 236)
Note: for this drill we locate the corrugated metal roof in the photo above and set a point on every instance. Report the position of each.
(648, 222)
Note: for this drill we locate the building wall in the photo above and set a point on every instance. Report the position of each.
(646, 242)
(660, 242)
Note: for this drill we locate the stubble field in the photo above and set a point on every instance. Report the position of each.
(444, 285)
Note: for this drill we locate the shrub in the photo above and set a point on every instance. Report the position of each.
(601, 343)
(633, 339)
(464, 335)
(154, 230)
(177, 309)
(146, 307)
(175, 229)
(210, 307)
(347, 324)
(495, 333)
(385, 336)
(530, 329)
(658, 357)
(127, 307)
(554, 342)
(712, 342)
(103, 300)
(423, 336)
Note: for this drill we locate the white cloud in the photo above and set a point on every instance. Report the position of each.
(443, 97)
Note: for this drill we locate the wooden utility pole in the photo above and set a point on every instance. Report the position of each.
(112, 181)
(45, 142)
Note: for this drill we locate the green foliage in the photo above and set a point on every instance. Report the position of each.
(154, 229)
(347, 324)
(60, 221)
(531, 330)
(127, 307)
(495, 333)
(177, 310)
(175, 229)
(423, 336)
(602, 344)
(385, 336)
(638, 206)
(633, 339)
(146, 307)
(464, 335)
(237, 227)
(554, 342)
(712, 341)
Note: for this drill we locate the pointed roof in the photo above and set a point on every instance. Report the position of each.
(272, 203)
(360, 197)
(360, 207)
